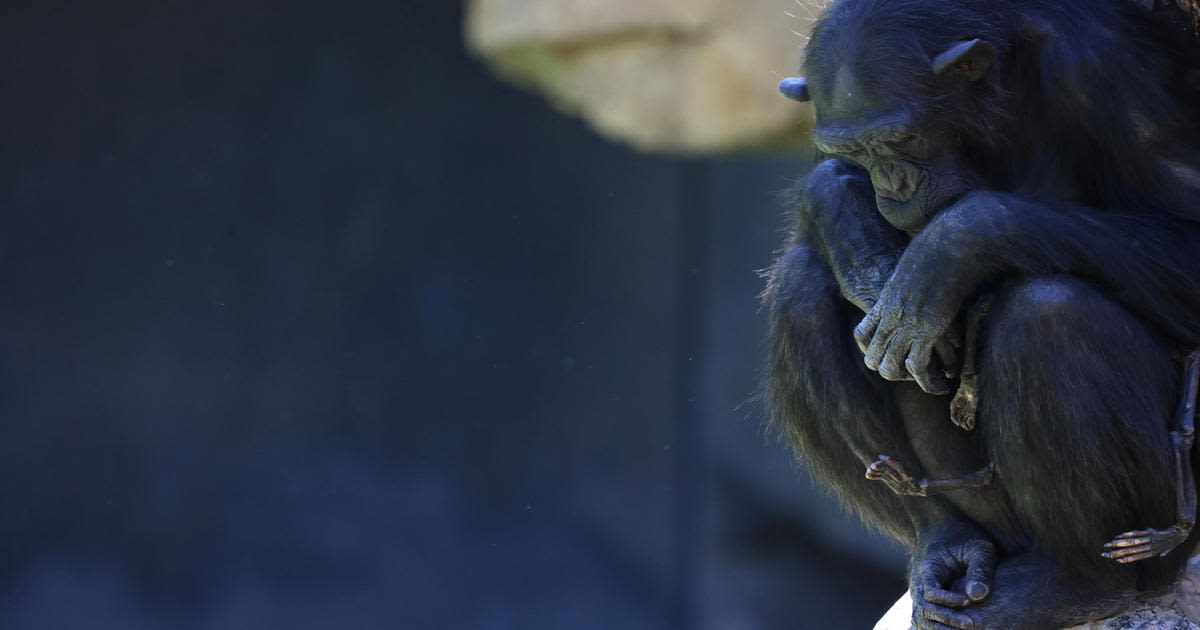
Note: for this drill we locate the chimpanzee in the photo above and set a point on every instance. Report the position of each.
(1043, 158)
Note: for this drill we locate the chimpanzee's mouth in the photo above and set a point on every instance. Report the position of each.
(909, 213)
(898, 180)
(904, 215)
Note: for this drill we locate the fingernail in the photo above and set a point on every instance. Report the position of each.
(977, 591)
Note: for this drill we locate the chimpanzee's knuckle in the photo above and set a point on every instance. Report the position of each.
(871, 361)
(913, 366)
(865, 331)
(891, 370)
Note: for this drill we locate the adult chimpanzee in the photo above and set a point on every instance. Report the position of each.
(1046, 154)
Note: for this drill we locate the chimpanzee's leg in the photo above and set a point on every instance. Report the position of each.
(836, 413)
(1076, 396)
(1076, 403)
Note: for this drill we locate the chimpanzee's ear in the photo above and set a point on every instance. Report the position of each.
(795, 88)
(968, 60)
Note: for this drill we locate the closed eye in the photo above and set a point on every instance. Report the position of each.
(837, 146)
(890, 135)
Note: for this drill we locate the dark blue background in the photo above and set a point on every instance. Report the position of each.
(308, 322)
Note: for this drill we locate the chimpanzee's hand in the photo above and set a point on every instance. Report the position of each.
(952, 569)
(838, 209)
(909, 323)
(942, 266)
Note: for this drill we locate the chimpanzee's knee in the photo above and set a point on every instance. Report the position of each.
(1044, 306)
(1076, 397)
(1062, 328)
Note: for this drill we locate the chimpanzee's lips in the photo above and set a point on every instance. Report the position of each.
(908, 215)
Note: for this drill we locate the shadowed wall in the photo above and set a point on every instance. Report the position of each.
(309, 323)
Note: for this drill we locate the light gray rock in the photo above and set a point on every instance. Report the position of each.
(685, 76)
(1178, 609)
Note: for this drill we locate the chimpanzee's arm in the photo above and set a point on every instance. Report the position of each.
(1149, 262)
(837, 210)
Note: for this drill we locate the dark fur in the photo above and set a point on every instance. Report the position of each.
(1092, 242)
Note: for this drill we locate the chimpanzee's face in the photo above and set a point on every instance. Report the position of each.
(911, 160)
(885, 125)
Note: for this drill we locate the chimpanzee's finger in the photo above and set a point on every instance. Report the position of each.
(1137, 558)
(981, 571)
(932, 575)
(951, 618)
(920, 366)
(877, 349)
(921, 623)
(947, 598)
(1126, 552)
(926, 624)
(863, 303)
(864, 333)
(1128, 539)
(891, 366)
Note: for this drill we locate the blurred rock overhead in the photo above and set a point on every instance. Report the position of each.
(694, 77)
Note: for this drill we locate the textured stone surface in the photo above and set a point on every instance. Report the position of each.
(1178, 609)
(691, 76)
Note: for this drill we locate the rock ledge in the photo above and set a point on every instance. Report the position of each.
(1178, 609)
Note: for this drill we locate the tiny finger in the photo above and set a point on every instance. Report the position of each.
(877, 468)
(1126, 552)
(1141, 556)
(1127, 542)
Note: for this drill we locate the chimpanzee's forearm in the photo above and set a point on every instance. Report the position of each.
(837, 210)
(1148, 262)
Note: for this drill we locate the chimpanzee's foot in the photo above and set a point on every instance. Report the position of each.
(965, 402)
(892, 473)
(1028, 593)
(1144, 544)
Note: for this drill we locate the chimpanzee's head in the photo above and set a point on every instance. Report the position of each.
(899, 91)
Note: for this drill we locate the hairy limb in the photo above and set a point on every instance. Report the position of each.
(1149, 543)
(990, 234)
(965, 404)
(836, 414)
(892, 473)
(837, 211)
